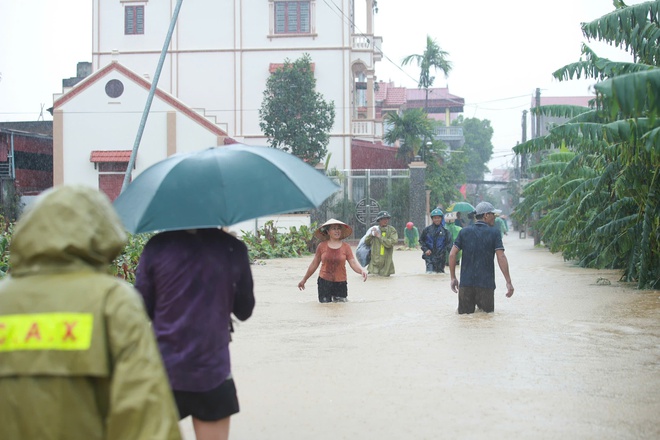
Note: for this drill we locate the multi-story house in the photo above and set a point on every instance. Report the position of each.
(440, 106)
(221, 54)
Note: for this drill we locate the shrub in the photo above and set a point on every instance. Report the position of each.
(268, 242)
(125, 264)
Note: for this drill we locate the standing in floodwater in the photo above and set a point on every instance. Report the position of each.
(479, 243)
(382, 239)
(333, 254)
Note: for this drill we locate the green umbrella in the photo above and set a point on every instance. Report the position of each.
(460, 207)
(220, 187)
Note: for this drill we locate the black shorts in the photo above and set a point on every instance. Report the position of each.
(209, 406)
(470, 296)
(332, 290)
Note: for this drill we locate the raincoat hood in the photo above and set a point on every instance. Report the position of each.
(66, 228)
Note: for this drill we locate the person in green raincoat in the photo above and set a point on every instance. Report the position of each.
(454, 229)
(411, 235)
(78, 358)
(500, 223)
(382, 239)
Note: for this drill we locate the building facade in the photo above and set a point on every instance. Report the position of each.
(221, 54)
(96, 122)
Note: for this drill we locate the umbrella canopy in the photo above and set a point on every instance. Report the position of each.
(220, 187)
(460, 207)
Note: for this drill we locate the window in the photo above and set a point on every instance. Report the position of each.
(133, 20)
(292, 17)
(114, 88)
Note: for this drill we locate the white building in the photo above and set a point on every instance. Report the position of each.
(222, 52)
(96, 122)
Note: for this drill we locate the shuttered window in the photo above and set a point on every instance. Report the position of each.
(292, 17)
(134, 20)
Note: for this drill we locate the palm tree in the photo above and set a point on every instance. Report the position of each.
(433, 57)
(602, 195)
(412, 128)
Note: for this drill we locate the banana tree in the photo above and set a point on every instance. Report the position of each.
(610, 217)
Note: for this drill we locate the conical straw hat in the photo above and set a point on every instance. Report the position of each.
(322, 232)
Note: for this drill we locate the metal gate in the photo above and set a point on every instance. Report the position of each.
(366, 192)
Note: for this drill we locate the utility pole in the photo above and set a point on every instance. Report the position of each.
(523, 156)
(150, 97)
(537, 160)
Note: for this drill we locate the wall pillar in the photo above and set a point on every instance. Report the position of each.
(371, 102)
(418, 193)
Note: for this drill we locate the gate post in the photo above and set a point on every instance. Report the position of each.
(417, 194)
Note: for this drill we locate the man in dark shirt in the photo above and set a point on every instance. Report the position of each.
(480, 243)
(191, 282)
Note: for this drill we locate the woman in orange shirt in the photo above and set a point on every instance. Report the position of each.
(333, 254)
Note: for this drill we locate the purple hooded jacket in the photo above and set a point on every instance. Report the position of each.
(191, 282)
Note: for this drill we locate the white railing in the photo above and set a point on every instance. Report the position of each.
(362, 128)
(362, 42)
(367, 128)
(447, 132)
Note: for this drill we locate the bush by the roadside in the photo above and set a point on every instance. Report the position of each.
(6, 230)
(126, 263)
(268, 242)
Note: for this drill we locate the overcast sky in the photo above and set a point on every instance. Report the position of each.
(501, 52)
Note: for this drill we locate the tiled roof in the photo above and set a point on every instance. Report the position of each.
(396, 97)
(110, 156)
(389, 95)
(381, 93)
(438, 97)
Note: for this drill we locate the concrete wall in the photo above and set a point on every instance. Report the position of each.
(283, 222)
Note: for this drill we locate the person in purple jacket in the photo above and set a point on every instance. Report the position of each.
(191, 282)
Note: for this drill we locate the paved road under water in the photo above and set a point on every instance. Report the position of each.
(565, 357)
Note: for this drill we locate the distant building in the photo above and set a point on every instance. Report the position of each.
(544, 122)
(26, 156)
(222, 54)
(441, 106)
(96, 122)
(26, 163)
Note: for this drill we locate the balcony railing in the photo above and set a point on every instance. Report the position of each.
(448, 132)
(362, 42)
(367, 128)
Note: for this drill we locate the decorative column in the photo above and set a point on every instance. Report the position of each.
(371, 102)
(418, 193)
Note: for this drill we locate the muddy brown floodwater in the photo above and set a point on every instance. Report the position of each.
(567, 356)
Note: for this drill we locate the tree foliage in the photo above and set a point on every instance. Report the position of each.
(600, 192)
(434, 58)
(412, 129)
(293, 115)
(445, 174)
(478, 147)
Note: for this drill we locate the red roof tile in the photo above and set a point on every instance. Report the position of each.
(110, 156)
